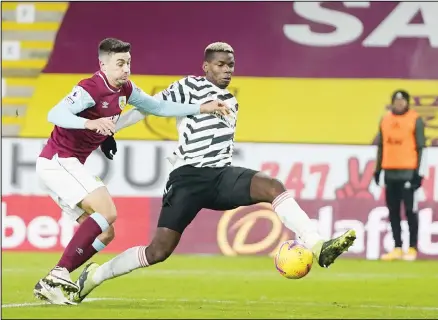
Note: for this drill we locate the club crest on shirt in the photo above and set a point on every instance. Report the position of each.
(122, 102)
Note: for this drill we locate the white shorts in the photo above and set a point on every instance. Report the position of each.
(73, 214)
(68, 181)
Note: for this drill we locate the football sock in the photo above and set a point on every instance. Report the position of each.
(127, 261)
(80, 247)
(90, 251)
(295, 219)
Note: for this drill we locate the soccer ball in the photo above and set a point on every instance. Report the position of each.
(293, 260)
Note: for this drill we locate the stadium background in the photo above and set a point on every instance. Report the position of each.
(310, 106)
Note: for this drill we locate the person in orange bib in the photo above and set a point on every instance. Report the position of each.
(401, 142)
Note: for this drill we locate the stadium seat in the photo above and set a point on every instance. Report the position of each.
(28, 35)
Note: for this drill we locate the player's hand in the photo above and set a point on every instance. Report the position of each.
(416, 181)
(109, 147)
(377, 177)
(103, 126)
(215, 106)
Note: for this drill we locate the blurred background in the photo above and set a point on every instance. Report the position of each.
(312, 81)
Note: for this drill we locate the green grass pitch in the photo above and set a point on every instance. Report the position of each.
(232, 287)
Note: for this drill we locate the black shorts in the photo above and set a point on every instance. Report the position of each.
(190, 189)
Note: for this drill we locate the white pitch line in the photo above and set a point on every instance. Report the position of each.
(37, 304)
(248, 302)
(23, 305)
(249, 274)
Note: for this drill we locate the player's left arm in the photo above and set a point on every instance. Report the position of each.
(151, 105)
(379, 149)
(420, 140)
(174, 92)
(130, 118)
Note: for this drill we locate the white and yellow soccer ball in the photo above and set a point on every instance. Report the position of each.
(293, 260)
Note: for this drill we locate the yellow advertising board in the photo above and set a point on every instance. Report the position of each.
(339, 111)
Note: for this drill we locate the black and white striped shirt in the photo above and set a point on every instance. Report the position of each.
(205, 140)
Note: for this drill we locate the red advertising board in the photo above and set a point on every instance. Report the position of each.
(333, 184)
(35, 223)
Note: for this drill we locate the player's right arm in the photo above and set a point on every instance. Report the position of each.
(420, 139)
(64, 114)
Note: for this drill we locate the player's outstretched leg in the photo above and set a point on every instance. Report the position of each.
(326, 252)
(265, 189)
(99, 201)
(161, 247)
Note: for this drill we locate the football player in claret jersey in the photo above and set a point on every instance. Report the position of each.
(83, 120)
(202, 177)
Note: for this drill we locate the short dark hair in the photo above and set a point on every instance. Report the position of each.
(112, 45)
(216, 47)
